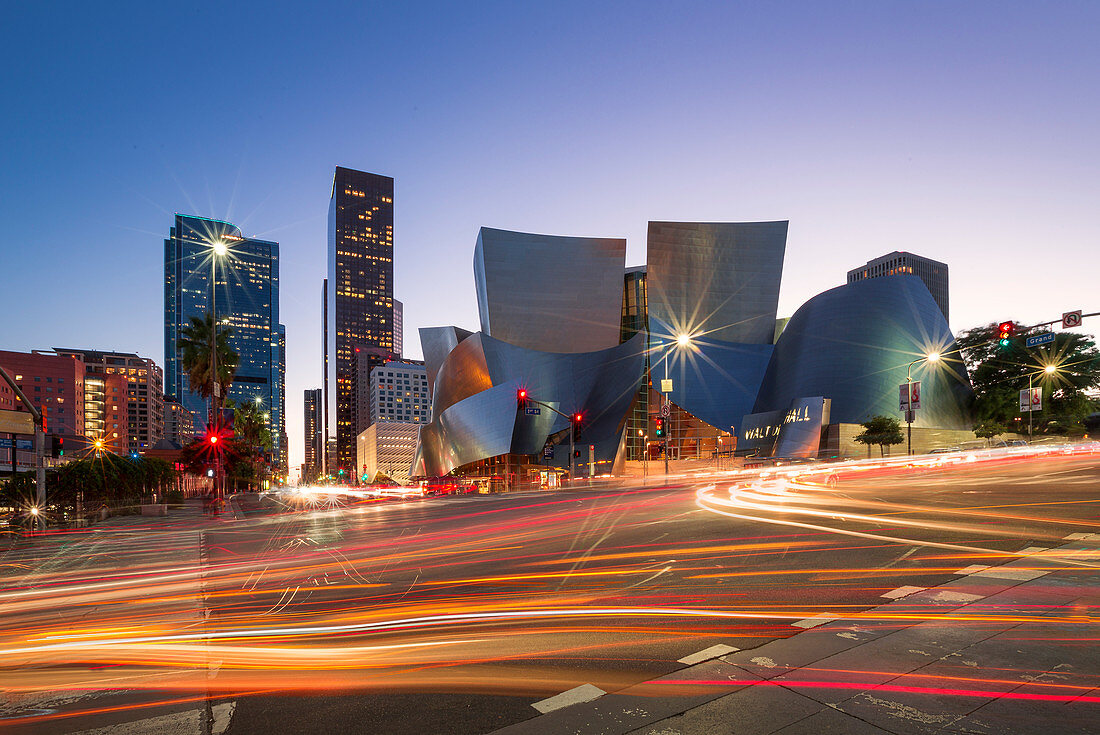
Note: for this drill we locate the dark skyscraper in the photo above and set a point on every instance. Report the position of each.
(314, 441)
(360, 288)
(247, 280)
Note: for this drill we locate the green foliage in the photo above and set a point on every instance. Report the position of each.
(106, 479)
(195, 355)
(989, 429)
(998, 374)
(881, 430)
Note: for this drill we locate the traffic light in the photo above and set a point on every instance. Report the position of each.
(658, 427)
(1005, 331)
(57, 446)
(577, 419)
(521, 398)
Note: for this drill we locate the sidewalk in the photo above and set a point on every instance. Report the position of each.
(1005, 649)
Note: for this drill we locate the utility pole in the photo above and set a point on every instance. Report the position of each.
(39, 449)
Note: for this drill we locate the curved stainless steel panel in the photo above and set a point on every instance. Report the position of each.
(718, 279)
(548, 292)
(853, 343)
(437, 343)
(474, 426)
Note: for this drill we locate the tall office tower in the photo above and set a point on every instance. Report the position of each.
(243, 285)
(398, 328)
(360, 287)
(932, 272)
(284, 440)
(325, 405)
(314, 441)
(144, 391)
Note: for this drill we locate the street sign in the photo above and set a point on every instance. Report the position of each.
(548, 451)
(1039, 339)
(903, 397)
(666, 409)
(666, 385)
(1071, 319)
(910, 416)
(16, 422)
(533, 410)
(914, 395)
(24, 445)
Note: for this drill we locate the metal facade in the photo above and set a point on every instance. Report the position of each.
(853, 343)
(719, 279)
(548, 292)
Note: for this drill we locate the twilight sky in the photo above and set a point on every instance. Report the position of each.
(965, 132)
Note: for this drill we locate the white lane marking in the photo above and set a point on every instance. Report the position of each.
(950, 596)
(1035, 549)
(1019, 575)
(223, 715)
(576, 695)
(902, 592)
(188, 721)
(972, 569)
(815, 621)
(707, 653)
(1076, 537)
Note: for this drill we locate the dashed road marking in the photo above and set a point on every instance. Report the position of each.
(707, 653)
(902, 592)
(815, 621)
(952, 596)
(223, 715)
(576, 695)
(1018, 575)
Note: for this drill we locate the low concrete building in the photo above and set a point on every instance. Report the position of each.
(387, 447)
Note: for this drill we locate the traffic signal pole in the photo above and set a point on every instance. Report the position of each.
(523, 399)
(39, 449)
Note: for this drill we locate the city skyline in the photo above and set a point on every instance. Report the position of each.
(876, 149)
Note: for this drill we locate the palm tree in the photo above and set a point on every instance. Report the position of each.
(195, 356)
(251, 435)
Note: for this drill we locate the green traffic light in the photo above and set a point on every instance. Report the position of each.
(1005, 343)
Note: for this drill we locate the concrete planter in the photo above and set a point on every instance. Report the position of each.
(154, 509)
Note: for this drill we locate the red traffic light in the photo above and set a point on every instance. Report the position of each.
(1007, 326)
(213, 439)
(577, 417)
(521, 394)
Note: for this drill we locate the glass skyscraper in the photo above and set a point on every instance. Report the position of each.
(247, 283)
(360, 289)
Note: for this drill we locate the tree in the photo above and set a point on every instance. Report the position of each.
(252, 439)
(195, 355)
(999, 373)
(989, 429)
(880, 430)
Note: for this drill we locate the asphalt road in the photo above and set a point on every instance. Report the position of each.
(455, 615)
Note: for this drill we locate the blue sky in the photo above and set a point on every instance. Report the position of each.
(964, 132)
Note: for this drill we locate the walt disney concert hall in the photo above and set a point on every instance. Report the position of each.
(574, 345)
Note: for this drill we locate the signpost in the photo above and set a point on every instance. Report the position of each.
(1040, 339)
(1071, 319)
(533, 411)
(1031, 399)
(666, 385)
(908, 403)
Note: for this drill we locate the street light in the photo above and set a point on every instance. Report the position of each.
(933, 358)
(1049, 369)
(219, 249)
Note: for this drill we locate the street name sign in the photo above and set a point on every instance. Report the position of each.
(533, 410)
(1071, 319)
(1040, 339)
(25, 445)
